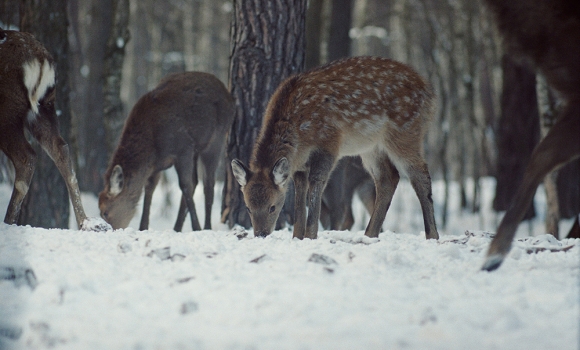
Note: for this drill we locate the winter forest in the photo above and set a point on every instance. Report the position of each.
(117, 50)
(153, 285)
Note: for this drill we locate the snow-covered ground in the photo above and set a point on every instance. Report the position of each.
(159, 289)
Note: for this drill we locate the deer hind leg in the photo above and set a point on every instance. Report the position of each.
(386, 178)
(150, 186)
(54, 145)
(421, 182)
(559, 147)
(186, 168)
(24, 159)
(210, 161)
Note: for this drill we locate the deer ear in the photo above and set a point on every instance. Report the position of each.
(281, 171)
(240, 172)
(116, 180)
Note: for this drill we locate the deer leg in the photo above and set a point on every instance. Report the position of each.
(421, 182)
(182, 211)
(210, 162)
(187, 175)
(300, 188)
(559, 147)
(54, 145)
(152, 182)
(23, 157)
(334, 196)
(386, 178)
(320, 168)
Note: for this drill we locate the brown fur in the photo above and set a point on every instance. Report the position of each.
(545, 33)
(185, 118)
(17, 114)
(368, 106)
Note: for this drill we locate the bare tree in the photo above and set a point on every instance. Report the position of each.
(114, 117)
(47, 203)
(268, 44)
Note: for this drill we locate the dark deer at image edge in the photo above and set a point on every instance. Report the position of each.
(27, 102)
(180, 123)
(546, 34)
(368, 106)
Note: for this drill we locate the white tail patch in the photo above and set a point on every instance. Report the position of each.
(37, 79)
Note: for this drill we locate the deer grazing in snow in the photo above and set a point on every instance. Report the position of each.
(545, 33)
(27, 101)
(183, 120)
(368, 106)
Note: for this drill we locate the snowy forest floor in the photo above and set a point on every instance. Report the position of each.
(159, 289)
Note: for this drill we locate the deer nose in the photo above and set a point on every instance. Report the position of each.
(261, 234)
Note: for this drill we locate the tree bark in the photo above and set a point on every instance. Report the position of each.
(518, 131)
(47, 204)
(268, 44)
(113, 115)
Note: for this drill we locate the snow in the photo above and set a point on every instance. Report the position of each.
(222, 289)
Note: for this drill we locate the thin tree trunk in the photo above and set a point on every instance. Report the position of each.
(113, 115)
(340, 23)
(268, 44)
(548, 116)
(47, 204)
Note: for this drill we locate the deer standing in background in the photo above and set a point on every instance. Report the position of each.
(545, 33)
(27, 98)
(183, 120)
(348, 177)
(368, 106)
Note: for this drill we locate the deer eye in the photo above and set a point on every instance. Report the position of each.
(272, 209)
(249, 211)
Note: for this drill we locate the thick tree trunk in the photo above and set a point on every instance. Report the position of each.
(47, 204)
(518, 131)
(268, 44)
(113, 115)
(92, 145)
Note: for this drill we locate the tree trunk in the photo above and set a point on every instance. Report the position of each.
(47, 204)
(113, 115)
(340, 23)
(518, 131)
(314, 20)
(92, 145)
(268, 44)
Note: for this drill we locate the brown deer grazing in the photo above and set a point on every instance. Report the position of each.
(368, 106)
(183, 120)
(547, 34)
(27, 101)
(348, 177)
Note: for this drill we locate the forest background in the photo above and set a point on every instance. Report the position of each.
(110, 52)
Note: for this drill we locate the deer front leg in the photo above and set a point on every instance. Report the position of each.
(58, 150)
(149, 189)
(321, 165)
(558, 147)
(300, 188)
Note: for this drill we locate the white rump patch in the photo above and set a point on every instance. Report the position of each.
(37, 79)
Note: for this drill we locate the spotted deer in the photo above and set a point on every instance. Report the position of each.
(546, 34)
(182, 121)
(27, 102)
(368, 106)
